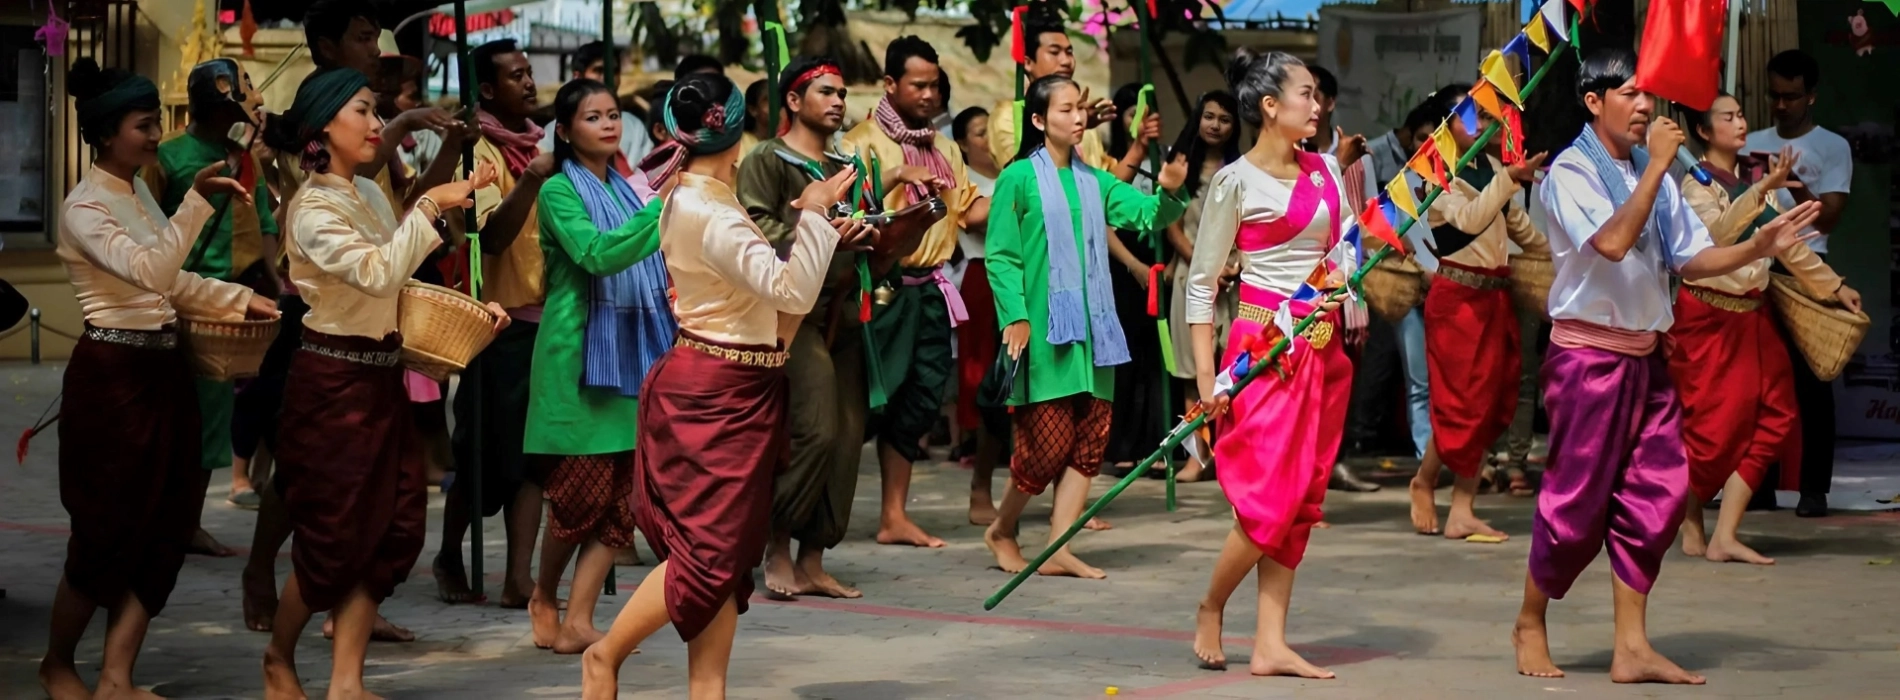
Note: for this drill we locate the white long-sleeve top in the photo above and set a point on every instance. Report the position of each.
(729, 283)
(1242, 193)
(350, 256)
(123, 257)
(1631, 294)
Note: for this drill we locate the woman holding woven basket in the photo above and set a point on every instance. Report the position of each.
(1472, 349)
(712, 431)
(129, 473)
(605, 321)
(351, 472)
(1727, 357)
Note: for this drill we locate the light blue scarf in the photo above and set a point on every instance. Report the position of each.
(1592, 148)
(629, 320)
(1071, 318)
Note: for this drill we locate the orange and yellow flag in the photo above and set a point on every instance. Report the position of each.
(1499, 75)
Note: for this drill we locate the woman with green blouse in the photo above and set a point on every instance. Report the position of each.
(1048, 265)
(605, 319)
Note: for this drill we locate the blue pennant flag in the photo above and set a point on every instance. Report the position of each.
(1468, 115)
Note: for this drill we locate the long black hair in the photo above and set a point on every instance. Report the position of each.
(1118, 140)
(1190, 143)
(1036, 101)
(567, 104)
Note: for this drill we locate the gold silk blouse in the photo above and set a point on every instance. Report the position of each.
(350, 256)
(124, 257)
(730, 284)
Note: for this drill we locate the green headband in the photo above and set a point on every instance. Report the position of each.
(319, 98)
(133, 90)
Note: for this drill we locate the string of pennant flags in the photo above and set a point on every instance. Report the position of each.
(1496, 94)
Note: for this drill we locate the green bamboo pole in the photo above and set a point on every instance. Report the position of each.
(1188, 426)
(474, 287)
(610, 74)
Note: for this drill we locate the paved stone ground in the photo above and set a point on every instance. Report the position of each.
(1395, 614)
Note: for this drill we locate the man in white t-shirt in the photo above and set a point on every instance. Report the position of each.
(1825, 168)
(590, 61)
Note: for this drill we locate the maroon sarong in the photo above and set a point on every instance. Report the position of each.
(128, 471)
(1473, 361)
(590, 497)
(712, 435)
(350, 471)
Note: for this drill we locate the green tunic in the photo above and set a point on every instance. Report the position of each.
(1017, 257)
(566, 418)
(237, 238)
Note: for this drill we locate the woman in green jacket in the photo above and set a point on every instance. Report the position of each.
(1048, 264)
(605, 320)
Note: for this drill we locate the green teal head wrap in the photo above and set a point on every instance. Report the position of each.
(319, 98)
(100, 115)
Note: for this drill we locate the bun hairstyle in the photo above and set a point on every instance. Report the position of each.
(567, 104)
(1036, 101)
(1255, 77)
(284, 136)
(697, 96)
(104, 97)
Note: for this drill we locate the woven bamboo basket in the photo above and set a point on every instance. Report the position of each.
(1392, 291)
(1827, 333)
(226, 350)
(442, 329)
(1531, 275)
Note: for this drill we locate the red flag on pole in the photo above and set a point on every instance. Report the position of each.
(1681, 59)
(1017, 51)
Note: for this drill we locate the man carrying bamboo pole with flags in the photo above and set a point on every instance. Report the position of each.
(1618, 473)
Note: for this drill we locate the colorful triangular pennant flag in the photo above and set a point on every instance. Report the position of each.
(1447, 145)
(1536, 31)
(1428, 165)
(1378, 222)
(1487, 98)
(1495, 71)
(1521, 48)
(1467, 112)
(1347, 253)
(1553, 14)
(1399, 193)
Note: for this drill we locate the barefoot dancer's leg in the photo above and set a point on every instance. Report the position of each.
(1724, 546)
(126, 623)
(1695, 541)
(1000, 537)
(355, 618)
(1424, 484)
(260, 571)
(451, 578)
(710, 653)
(1271, 654)
(280, 656)
(1238, 556)
(1634, 660)
(982, 473)
(644, 614)
(894, 525)
(1462, 522)
(817, 581)
(1072, 495)
(524, 527)
(781, 573)
(577, 629)
(1531, 637)
(72, 612)
(544, 607)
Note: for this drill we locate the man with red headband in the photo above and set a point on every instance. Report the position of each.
(811, 499)
(916, 306)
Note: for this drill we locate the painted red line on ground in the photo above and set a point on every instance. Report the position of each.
(1211, 681)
